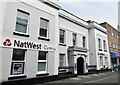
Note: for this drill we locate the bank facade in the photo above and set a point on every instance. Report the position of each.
(28, 39)
(41, 39)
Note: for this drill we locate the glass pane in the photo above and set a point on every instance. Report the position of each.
(43, 32)
(42, 55)
(61, 40)
(21, 28)
(18, 54)
(62, 60)
(22, 14)
(41, 66)
(25, 21)
(61, 64)
(43, 23)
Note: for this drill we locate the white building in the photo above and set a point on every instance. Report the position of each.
(99, 52)
(73, 42)
(28, 39)
(40, 39)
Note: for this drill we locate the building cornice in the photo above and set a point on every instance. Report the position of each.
(52, 4)
(72, 20)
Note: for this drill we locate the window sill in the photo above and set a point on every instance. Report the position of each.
(105, 50)
(41, 38)
(11, 77)
(100, 49)
(42, 74)
(61, 44)
(21, 34)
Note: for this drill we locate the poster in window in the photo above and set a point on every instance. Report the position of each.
(17, 68)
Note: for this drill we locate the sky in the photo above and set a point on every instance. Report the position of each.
(95, 10)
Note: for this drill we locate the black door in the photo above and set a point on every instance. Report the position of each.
(80, 65)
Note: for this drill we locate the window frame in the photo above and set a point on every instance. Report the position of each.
(84, 41)
(99, 44)
(28, 21)
(43, 61)
(104, 45)
(63, 61)
(101, 62)
(74, 39)
(64, 39)
(47, 29)
(18, 61)
(106, 61)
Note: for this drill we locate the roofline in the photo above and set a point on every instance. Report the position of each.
(108, 24)
(52, 4)
(73, 15)
(73, 20)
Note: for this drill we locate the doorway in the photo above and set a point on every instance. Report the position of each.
(80, 65)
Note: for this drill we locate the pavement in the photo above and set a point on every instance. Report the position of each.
(110, 78)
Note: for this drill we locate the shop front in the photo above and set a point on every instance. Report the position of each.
(26, 59)
(115, 58)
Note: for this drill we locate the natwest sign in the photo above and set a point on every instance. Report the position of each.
(24, 44)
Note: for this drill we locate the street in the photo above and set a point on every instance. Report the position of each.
(106, 77)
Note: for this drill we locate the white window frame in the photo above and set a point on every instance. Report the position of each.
(64, 36)
(19, 61)
(104, 45)
(27, 29)
(114, 46)
(43, 61)
(48, 24)
(101, 62)
(110, 45)
(99, 43)
(63, 61)
(84, 43)
(106, 61)
(74, 34)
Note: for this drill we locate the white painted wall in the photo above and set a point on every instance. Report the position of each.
(36, 10)
(71, 28)
(2, 13)
(92, 47)
(94, 34)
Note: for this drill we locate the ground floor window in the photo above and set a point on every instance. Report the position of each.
(18, 61)
(42, 62)
(62, 60)
(106, 61)
(101, 62)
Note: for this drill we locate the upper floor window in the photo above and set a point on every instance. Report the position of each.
(99, 44)
(62, 36)
(74, 39)
(43, 27)
(84, 41)
(104, 44)
(111, 45)
(22, 21)
(116, 46)
(119, 47)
